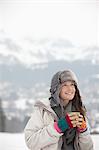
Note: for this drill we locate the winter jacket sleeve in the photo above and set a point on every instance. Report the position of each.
(84, 140)
(37, 134)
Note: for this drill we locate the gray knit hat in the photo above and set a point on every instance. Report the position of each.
(59, 78)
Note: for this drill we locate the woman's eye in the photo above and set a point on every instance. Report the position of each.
(65, 84)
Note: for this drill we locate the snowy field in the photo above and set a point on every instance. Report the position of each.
(16, 142)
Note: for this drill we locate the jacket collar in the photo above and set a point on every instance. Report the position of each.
(45, 104)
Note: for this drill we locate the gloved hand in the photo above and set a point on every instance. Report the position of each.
(69, 121)
(81, 124)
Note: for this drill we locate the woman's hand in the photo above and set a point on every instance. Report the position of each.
(77, 120)
(80, 121)
(74, 118)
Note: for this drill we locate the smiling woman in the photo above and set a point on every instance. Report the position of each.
(60, 123)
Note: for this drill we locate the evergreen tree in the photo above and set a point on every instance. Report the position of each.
(2, 118)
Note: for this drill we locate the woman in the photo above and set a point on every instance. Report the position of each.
(60, 123)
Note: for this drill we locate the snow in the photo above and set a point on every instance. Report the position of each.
(96, 141)
(10, 141)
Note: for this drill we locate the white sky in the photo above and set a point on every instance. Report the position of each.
(73, 20)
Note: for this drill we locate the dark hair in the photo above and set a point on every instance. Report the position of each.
(77, 102)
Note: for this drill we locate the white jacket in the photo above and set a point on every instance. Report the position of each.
(40, 133)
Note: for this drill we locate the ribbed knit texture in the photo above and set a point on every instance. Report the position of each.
(83, 127)
(57, 128)
(62, 124)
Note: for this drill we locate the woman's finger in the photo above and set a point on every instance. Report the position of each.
(74, 118)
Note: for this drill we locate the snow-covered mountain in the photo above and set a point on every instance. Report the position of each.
(31, 52)
(33, 61)
(27, 66)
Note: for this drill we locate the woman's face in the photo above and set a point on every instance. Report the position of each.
(67, 91)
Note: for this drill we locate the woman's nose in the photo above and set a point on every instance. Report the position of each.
(69, 87)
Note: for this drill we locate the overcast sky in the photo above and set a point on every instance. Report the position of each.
(73, 20)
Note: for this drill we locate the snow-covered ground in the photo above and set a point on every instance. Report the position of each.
(12, 142)
(16, 142)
